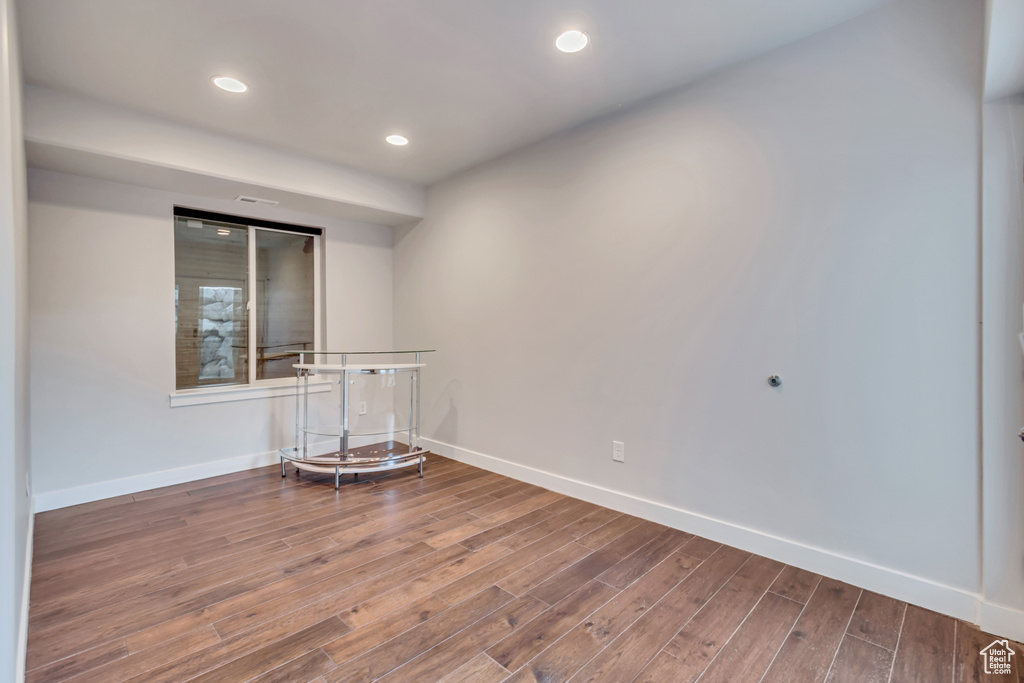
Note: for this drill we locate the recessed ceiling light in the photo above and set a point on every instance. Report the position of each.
(572, 41)
(398, 140)
(229, 84)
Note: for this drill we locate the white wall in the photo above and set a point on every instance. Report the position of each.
(1003, 362)
(102, 323)
(813, 213)
(1004, 50)
(14, 358)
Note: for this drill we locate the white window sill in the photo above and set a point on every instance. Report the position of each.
(270, 388)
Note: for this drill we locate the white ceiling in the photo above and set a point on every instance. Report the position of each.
(465, 80)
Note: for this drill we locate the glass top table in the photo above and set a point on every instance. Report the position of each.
(357, 440)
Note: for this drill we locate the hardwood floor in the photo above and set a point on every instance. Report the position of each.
(463, 576)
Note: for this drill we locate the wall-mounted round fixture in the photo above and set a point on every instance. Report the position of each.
(397, 140)
(572, 41)
(775, 381)
(229, 84)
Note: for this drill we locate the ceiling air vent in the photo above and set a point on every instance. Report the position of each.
(256, 200)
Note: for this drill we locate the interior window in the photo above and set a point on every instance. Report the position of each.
(242, 292)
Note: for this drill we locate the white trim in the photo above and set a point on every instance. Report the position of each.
(21, 652)
(939, 597)
(252, 316)
(269, 388)
(87, 493)
(1002, 621)
(318, 290)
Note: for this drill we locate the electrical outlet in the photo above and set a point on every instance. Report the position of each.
(362, 407)
(618, 451)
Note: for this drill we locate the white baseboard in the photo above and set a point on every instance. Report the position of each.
(999, 620)
(917, 590)
(22, 648)
(87, 493)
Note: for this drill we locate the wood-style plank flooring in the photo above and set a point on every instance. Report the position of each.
(461, 576)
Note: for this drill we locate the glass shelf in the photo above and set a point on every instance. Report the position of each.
(337, 432)
(365, 369)
(361, 457)
(327, 461)
(362, 353)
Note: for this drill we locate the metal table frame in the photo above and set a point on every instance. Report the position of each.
(343, 460)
